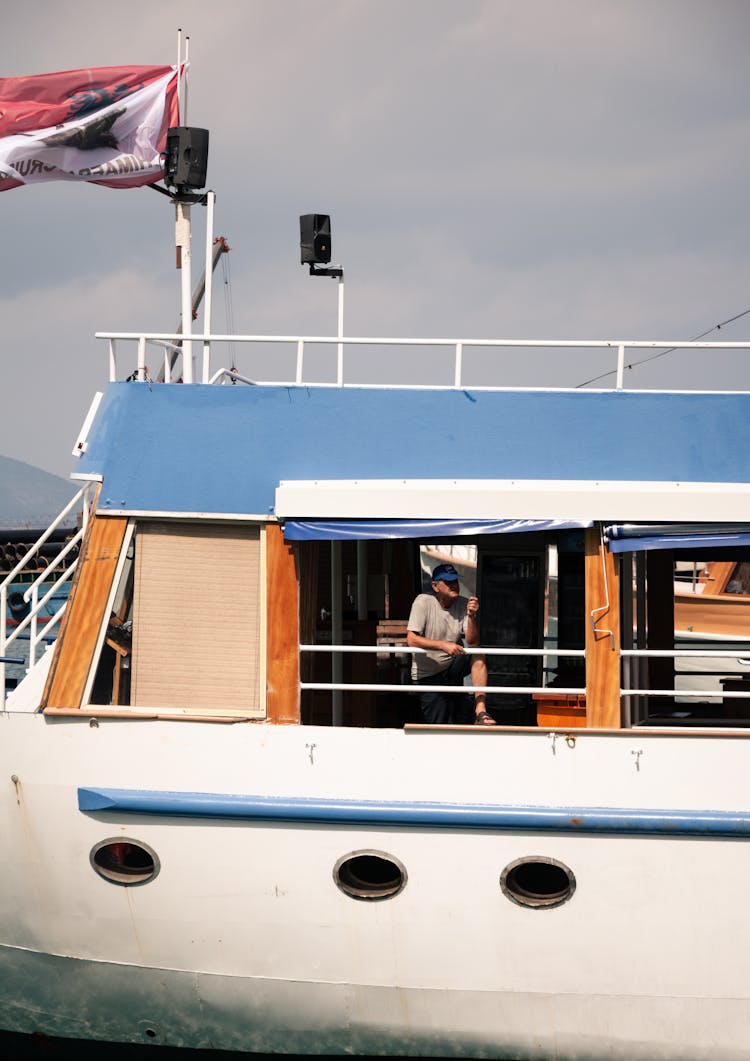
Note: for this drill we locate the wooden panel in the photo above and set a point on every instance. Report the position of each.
(602, 650)
(196, 617)
(391, 631)
(85, 612)
(563, 711)
(282, 693)
(724, 616)
(715, 577)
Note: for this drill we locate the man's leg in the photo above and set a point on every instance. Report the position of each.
(479, 678)
(436, 708)
(449, 708)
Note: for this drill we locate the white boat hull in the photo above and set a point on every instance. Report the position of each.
(199, 1010)
(244, 942)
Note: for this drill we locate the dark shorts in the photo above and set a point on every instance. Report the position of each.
(448, 708)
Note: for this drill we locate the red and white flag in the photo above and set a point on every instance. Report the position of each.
(108, 126)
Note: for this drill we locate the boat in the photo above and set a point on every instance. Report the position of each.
(225, 825)
(712, 601)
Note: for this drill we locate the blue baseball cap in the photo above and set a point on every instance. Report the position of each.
(445, 573)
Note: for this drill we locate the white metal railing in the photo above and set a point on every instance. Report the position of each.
(636, 691)
(626, 693)
(169, 341)
(382, 687)
(31, 596)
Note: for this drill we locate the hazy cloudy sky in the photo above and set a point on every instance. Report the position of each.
(493, 168)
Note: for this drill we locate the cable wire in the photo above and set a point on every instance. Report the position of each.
(663, 353)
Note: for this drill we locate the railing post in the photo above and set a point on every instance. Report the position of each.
(300, 356)
(337, 712)
(210, 198)
(340, 350)
(112, 361)
(142, 358)
(458, 365)
(620, 366)
(33, 626)
(3, 619)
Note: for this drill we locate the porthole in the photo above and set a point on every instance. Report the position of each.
(124, 861)
(369, 875)
(537, 882)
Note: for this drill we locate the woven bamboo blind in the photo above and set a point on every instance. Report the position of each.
(196, 618)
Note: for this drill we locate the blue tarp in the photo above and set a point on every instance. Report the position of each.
(636, 538)
(224, 450)
(429, 529)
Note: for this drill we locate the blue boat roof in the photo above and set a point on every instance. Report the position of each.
(207, 449)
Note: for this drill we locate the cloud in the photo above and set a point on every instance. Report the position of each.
(568, 168)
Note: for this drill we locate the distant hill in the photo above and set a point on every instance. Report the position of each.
(30, 497)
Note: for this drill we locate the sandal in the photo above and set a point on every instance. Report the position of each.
(483, 719)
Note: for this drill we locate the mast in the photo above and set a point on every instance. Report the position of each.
(183, 241)
(218, 247)
(185, 161)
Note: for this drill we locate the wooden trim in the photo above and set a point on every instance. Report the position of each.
(84, 612)
(636, 732)
(715, 577)
(602, 650)
(282, 689)
(134, 715)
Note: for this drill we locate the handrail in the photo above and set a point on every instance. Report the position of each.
(459, 346)
(450, 690)
(31, 592)
(560, 691)
(680, 653)
(401, 649)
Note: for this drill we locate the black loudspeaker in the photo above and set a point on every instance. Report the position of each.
(186, 157)
(315, 239)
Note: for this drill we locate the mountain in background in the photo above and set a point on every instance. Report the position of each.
(30, 497)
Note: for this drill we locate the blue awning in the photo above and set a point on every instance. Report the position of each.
(635, 537)
(429, 529)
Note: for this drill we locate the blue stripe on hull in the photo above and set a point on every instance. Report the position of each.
(432, 815)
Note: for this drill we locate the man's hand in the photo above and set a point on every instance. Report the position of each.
(472, 608)
(451, 648)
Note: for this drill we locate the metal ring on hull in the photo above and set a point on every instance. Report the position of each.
(537, 882)
(369, 875)
(121, 860)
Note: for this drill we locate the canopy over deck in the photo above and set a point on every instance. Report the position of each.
(358, 452)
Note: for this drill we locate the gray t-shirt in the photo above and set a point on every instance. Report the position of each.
(429, 620)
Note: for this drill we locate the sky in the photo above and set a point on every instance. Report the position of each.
(525, 169)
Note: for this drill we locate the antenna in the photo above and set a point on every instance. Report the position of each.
(183, 112)
(179, 70)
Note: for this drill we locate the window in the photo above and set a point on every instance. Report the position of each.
(186, 622)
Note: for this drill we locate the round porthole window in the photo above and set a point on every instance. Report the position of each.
(369, 875)
(124, 861)
(537, 882)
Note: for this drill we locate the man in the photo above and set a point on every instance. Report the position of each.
(438, 622)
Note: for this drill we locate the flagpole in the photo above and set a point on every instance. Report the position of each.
(182, 231)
